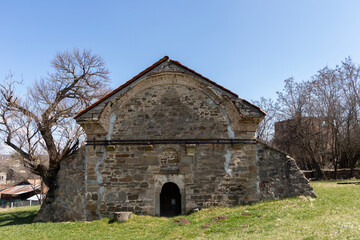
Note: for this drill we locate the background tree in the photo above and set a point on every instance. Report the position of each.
(296, 133)
(349, 77)
(317, 121)
(41, 121)
(327, 104)
(265, 131)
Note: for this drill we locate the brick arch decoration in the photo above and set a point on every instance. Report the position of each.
(174, 78)
(169, 156)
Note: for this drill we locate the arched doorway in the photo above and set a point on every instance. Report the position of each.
(170, 200)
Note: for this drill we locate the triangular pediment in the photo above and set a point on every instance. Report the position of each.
(164, 65)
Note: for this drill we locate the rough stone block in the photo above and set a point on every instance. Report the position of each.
(149, 148)
(237, 146)
(187, 159)
(150, 160)
(127, 178)
(91, 207)
(191, 149)
(122, 216)
(110, 148)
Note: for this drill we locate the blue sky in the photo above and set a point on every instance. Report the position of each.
(249, 47)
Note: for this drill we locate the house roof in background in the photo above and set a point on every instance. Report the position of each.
(20, 189)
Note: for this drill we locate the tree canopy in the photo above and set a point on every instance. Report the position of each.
(317, 121)
(41, 122)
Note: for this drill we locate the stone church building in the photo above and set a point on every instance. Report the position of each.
(167, 141)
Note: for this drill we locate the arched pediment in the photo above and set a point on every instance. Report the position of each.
(239, 115)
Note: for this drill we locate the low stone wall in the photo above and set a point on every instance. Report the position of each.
(279, 176)
(69, 203)
(342, 173)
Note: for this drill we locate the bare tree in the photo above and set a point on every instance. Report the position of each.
(349, 78)
(292, 99)
(323, 117)
(41, 121)
(265, 130)
(297, 133)
(327, 104)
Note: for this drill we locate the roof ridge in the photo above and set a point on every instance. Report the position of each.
(147, 70)
(207, 79)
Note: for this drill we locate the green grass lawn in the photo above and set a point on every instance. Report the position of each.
(335, 214)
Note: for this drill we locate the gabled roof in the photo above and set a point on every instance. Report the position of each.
(20, 189)
(151, 68)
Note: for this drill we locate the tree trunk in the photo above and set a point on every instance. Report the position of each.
(46, 206)
(335, 169)
(316, 166)
(50, 181)
(352, 166)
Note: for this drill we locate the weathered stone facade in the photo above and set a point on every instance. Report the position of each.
(170, 125)
(279, 176)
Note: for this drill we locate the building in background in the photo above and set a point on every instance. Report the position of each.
(306, 139)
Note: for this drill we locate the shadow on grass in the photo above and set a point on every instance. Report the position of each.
(16, 218)
(111, 221)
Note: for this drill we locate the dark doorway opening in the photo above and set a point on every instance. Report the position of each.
(170, 200)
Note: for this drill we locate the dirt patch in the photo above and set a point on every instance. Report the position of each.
(182, 221)
(218, 219)
(246, 214)
(205, 226)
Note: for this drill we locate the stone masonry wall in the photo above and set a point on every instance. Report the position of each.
(170, 111)
(129, 178)
(69, 204)
(130, 175)
(279, 175)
